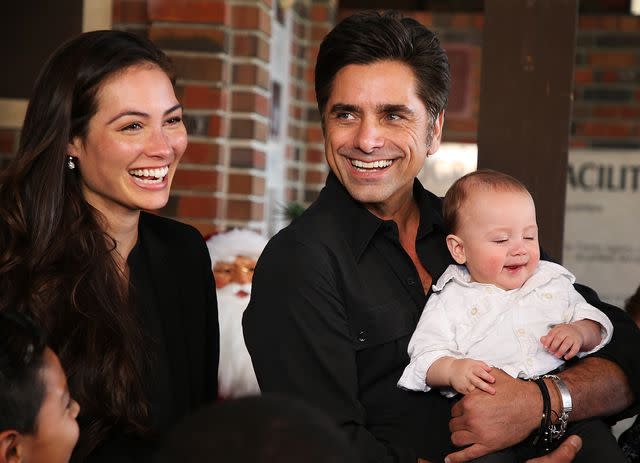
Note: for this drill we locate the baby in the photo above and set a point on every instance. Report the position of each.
(501, 306)
(37, 415)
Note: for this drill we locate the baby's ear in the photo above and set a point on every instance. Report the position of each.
(456, 248)
(11, 447)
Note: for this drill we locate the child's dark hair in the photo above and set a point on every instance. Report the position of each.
(22, 387)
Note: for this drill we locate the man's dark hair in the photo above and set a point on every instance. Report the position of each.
(262, 429)
(22, 387)
(370, 36)
(632, 306)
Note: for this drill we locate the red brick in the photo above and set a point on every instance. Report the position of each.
(583, 76)
(247, 157)
(201, 153)
(251, 46)
(250, 74)
(588, 22)
(293, 174)
(291, 194)
(188, 38)
(318, 32)
(238, 209)
(315, 156)
(248, 129)
(597, 129)
(606, 111)
(197, 206)
(198, 67)
(478, 22)
(423, 17)
(250, 102)
(130, 11)
(461, 21)
(315, 176)
(203, 97)
(197, 11)
(630, 112)
(314, 134)
(216, 127)
(319, 13)
(609, 76)
(461, 125)
(246, 184)
(629, 23)
(200, 180)
(612, 58)
(250, 18)
(578, 143)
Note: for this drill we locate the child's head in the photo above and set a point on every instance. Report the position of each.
(37, 416)
(491, 219)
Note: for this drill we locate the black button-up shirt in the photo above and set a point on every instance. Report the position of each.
(335, 300)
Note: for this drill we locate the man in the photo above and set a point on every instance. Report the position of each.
(338, 293)
(233, 258)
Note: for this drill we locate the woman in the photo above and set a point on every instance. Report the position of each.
(138, 331)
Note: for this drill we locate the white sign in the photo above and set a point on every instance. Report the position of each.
(602, 224)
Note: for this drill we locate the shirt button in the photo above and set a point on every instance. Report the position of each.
(529, 361)
(547, 296)
(488, 290)
(474, 310)
(411, 281)
(521, 331)
(361, 336)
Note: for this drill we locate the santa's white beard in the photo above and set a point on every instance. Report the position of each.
(236, 377)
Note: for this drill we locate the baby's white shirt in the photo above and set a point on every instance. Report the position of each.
(465, 319)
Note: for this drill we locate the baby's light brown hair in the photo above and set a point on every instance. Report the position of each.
(464, 187)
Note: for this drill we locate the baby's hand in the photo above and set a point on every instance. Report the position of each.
(468, 374)
(563, 340)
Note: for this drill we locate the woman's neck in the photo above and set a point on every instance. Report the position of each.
(123, 228)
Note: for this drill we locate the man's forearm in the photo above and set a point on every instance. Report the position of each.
(598, 387)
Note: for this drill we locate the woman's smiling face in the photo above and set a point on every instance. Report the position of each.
(133, 144)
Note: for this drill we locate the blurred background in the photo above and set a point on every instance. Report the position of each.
(547, 90)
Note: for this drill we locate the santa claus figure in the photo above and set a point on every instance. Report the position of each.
(233, 257)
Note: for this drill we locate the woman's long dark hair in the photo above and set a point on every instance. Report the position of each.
(54, 249)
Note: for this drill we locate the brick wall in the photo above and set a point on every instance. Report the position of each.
(606, 110)
(221, 49)
(305, 167)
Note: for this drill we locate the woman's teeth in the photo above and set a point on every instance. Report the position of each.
(371, 165)
(150, 175)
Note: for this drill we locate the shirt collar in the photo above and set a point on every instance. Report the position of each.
(360, 225)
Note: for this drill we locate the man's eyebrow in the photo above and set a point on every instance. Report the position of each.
(128, 112)
(344, 108)
(394, 108)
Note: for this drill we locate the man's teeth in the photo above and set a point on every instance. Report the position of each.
(150, 175)
(371, 165)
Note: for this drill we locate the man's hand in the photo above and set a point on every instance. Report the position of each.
(487, 423)
(466, 375)
(565, 453)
